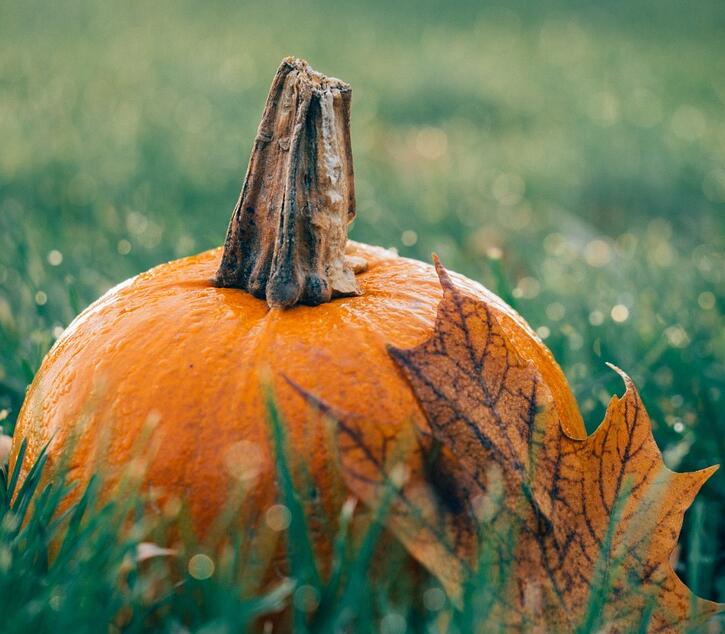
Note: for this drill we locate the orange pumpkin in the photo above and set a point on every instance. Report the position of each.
(183, 349)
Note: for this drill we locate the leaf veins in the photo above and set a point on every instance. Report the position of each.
(567, 526)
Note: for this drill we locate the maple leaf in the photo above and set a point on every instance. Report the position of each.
(570, 534)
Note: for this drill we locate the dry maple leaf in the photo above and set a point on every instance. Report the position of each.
(570, 534)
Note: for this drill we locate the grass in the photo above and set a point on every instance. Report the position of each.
(570, 155)
(89, 567)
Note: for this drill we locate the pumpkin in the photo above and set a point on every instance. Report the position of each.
(170, 366)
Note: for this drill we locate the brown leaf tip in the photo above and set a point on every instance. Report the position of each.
(443, 275)
(628, 383)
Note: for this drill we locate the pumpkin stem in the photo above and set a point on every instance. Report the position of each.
(287, 235)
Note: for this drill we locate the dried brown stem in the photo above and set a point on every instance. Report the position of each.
(287, 235)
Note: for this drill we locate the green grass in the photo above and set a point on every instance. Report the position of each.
(570, 155)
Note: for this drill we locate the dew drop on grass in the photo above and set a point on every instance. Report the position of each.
(393, 623)
(123, 247)
(278, 517)
(555, 311)
(409, 238)
(55, 258)
(434, 599)
(306, 598)
(619, 313)
(201, 566)
(706, 300)
(596, 318)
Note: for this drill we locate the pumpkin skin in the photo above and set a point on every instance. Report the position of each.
(170, 347)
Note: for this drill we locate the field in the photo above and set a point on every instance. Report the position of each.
(570, 156)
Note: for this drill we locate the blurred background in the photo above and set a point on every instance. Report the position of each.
(570, 155)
